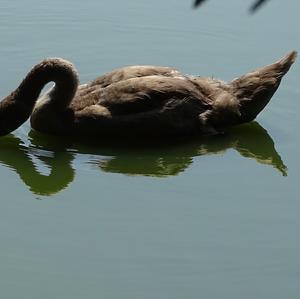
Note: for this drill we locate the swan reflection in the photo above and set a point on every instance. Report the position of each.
(20, 158)
(250, 140)
(46, 164)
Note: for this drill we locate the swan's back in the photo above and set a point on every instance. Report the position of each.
(135, 89)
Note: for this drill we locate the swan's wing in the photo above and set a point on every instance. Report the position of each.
(144, 94)
(89, 94)
(133, 72)
(152, 105)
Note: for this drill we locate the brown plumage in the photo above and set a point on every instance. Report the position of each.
(137, 101)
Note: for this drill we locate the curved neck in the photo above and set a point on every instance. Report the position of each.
(16, 108)
(57, 70)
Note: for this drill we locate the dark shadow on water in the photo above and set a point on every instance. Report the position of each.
(160, 160)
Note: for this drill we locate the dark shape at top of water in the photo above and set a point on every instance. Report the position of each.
(160, 160)
(198, 2)
(254, 7)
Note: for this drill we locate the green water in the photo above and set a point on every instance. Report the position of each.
(208, 218)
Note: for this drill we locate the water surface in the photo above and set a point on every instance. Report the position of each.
(212, 218)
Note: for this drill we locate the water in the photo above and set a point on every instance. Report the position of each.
(213, 218)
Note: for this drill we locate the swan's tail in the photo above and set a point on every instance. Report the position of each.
(255, 89)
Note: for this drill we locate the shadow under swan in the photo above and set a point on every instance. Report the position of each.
(57, 155)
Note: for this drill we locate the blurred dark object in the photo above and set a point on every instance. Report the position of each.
(198, 2)
(255, 6)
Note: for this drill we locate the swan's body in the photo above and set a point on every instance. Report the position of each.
(138, 101)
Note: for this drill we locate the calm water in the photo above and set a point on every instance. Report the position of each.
(212, 218)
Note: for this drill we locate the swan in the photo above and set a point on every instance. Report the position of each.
(137, 101)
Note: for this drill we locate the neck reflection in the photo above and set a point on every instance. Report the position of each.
(20, 158)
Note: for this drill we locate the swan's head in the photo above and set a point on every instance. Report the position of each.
(5, 123)
(12, 115)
